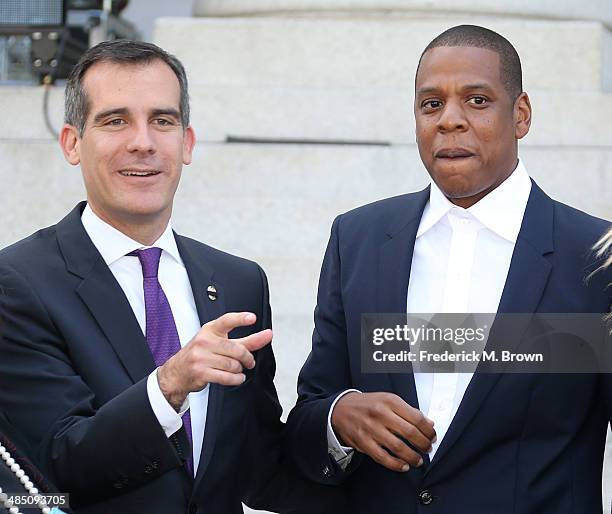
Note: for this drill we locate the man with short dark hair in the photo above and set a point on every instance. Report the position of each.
(117, 363)
(482, 238)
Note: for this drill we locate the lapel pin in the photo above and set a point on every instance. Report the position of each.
(212, 293)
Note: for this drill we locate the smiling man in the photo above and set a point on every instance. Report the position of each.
(122, 373)
(482, 238)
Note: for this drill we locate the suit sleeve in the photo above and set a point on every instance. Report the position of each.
(92, 452)
(324, 376)
(272, 485)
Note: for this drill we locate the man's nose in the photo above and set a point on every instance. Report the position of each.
(452, 117)
(141, 139)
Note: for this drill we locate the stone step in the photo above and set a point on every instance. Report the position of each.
(584, 10)
(372, 52)
(278, 201)
(561, 118)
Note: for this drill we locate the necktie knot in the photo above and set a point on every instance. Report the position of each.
(149, 260)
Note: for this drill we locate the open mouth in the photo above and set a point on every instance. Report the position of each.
(139, 173)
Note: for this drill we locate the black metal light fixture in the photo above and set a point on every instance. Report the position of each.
(41, 40)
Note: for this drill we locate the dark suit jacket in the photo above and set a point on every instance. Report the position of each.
(74, 365)
(519, 444)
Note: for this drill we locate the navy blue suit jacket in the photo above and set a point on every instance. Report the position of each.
(74, 364)
(519, 444)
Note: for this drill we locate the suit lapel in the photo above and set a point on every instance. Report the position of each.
(394, 264)
(525, 284)
(109, 306)
(201, 276)
(529, 268)
(103, 296)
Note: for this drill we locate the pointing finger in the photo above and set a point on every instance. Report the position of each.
(256, 341)
(229, 321)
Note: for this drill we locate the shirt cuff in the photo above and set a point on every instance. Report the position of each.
(341, 454)
(168, 418)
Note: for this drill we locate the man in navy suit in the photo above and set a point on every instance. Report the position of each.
(116, 362)
(482, 238)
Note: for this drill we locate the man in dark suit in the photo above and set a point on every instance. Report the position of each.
(130, 404)
(482, 238)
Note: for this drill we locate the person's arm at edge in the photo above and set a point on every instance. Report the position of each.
(275, 486)
(323, 378)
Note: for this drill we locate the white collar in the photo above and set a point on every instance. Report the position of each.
(113, 244)
(501, 211)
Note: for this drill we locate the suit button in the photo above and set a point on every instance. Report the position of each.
(425, 497)
(327, 471)
(148, 470)
(155, 464)
(118, 485)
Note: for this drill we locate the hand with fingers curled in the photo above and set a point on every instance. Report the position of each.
(380, 425)
(211, 357)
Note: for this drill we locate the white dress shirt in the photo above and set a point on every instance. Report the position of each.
(460, 265)
(114, 246)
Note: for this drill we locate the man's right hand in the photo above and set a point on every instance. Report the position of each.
(373, 423)
(211, 357)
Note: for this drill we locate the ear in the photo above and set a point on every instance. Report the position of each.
(189, 140)
(522, 116)
(70, 142)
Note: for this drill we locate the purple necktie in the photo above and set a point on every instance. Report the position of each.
(162, 336)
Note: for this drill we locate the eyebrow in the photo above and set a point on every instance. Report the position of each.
(426, 90)
(167, 112)
(468, 87)
(123, 111)
(471, 87)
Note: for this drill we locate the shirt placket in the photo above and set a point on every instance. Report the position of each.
(455, 300)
